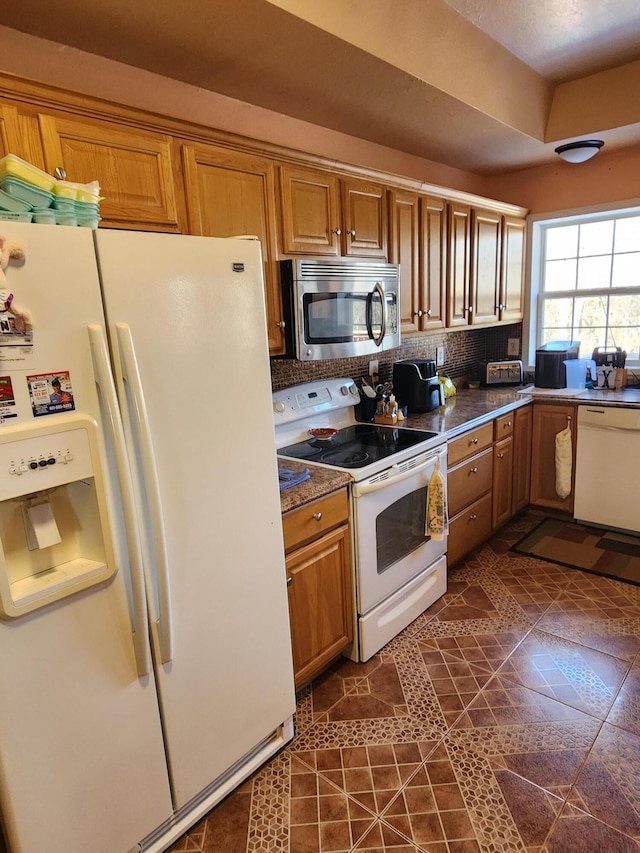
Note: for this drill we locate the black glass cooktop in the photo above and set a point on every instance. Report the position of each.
(356, 446)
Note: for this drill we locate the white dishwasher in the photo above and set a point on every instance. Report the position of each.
(607, 485)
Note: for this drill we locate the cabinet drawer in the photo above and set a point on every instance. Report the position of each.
(469, 480)
(315, 518)
(503, 427)
(471, 442)
(469, 529)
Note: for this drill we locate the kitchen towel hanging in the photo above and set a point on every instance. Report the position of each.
(437, 521)
(563, 458)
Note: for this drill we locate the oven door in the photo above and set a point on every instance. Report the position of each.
(389, 522)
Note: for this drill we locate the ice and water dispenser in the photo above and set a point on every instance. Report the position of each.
(54, 531)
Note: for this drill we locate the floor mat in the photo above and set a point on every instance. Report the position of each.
(578, 546)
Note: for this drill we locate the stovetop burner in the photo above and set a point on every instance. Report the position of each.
(357, 446)
(345, 458)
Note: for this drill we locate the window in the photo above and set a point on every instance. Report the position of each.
(585, 281)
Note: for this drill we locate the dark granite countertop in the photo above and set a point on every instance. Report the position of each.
(468, 409)
(322, 482)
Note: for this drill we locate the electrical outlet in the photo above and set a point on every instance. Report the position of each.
(439, 356)
(513, 346)
(373, 367)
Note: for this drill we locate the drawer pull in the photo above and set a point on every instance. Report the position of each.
(473, 517)
(289, 581)
(507, 425)
(317, 516)
(473, 470)
(473, 441)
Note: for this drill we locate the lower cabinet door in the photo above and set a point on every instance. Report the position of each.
(320, 602)
(469, 528)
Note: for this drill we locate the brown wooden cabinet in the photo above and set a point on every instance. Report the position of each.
(469, 487)
(134, 168)
(230, 193)
(548, 420)
(511, 298)
(485, 266)
(521, 457)
(502, 479)
(318, 561)
(458, 264)
(325, 215)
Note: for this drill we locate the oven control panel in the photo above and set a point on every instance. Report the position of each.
(313, 398)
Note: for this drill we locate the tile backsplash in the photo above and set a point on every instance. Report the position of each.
(464, 349)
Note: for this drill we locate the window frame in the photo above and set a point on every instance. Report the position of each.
(537, 224)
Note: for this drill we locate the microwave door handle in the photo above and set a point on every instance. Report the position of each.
(377, 288)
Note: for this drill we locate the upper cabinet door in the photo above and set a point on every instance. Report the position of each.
(310, 212)
(404, 250)
(231, 194)
(9, 131)
(433, 261)
(364, 219)
(512, 269)
(485, 266)
(133, 167)
(458, 264)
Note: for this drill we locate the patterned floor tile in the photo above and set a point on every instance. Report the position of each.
(523, 731)
(577, 832)
(576, 675)
(608, 786)
(381, 838)
(597, 615)
(625, 712)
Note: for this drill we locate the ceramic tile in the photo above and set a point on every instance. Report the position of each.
(576, 675)
(523, 731)
(608, 786)
(577, 832)
(625, 712)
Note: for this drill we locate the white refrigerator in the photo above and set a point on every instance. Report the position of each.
(145, 659)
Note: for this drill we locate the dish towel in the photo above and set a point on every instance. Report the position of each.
(437, 521)
(288, 478)
(563, 463)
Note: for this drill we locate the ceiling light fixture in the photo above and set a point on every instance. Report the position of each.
(578, 152)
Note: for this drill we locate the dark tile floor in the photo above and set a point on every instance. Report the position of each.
(505, 718)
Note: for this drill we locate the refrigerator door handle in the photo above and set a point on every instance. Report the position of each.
(107, 391)
(131, 376)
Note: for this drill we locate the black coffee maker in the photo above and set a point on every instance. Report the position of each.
(416, 384)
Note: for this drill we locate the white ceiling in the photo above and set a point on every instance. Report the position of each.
(484, 85)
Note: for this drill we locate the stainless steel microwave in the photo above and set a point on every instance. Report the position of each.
(339, 308)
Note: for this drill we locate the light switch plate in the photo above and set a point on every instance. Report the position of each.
(513, 346)
(373, 367)
(439, 356)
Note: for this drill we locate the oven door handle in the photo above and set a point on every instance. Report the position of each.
(379, 289)
(359, 489)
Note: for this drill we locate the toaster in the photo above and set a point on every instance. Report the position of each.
(501, 372)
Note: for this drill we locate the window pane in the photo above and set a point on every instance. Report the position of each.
(562, 242)
(557, 314)
(591, 323)
(594, 272)
(628, 234)
(625, 311)
(596, 238)
(626, 339)
(626, 270)
(560, 275)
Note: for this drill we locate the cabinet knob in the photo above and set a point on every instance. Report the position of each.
(473, 470)
(429, 312)
(59, 173)
(500, 455)
(289, 581)
(281, 324)
(317, 516)
(418, 313)
(337, 231)
(507, 425)
(470, 309)
(473, 441)
(473, 517)
(351, 232)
